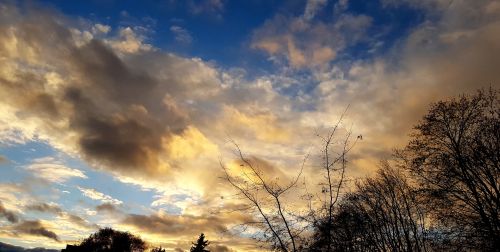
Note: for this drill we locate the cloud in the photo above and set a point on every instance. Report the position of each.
(44, 207)
(55, 209)
(150, 117)
(175, 224)
(9, 215)
(95, 195)
(36, 228)
(181, 35)
(213, 7)
(312, 7)
(50, 169)
(100, 28)
(129, 42)
(307, 44)
(107, 207)
(220, 248)
(93, 100)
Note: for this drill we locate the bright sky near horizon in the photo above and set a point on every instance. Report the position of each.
(116, 113)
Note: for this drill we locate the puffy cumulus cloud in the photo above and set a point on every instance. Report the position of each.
(440, 58)
(128, 42)
(91, 100)
(304, 42)
(50, 169)
(96, 195)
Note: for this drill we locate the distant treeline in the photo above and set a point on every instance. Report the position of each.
(110, 240)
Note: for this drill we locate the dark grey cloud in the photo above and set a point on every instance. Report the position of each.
(53, 209)
(9, 215)
(107, 207)
(44, 207)
(120, 114)
(35, 227)
(176, 225)
(75, 219)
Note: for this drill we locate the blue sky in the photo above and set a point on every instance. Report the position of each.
(117, 113)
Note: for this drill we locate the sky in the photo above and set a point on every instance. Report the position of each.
(120, 113)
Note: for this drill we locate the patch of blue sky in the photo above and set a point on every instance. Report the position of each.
(67, 193)
(223, 39)
(389, 25)
(19, 156)
(134, 198)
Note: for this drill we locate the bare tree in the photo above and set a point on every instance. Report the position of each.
(455, 154)
(266, 199)
(334, 168)
(396, 216)
(284, 228)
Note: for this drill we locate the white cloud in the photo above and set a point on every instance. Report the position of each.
(312, 7)
(181, 35)
(129, 42)
(100, 28)
(301, 43)
(96, 195)
(53, 170)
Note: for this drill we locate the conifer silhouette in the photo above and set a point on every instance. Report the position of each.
(200, 245)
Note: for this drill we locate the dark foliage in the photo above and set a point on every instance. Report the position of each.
(109, 240)
(383, 214)
(200, 244)
(158, 249)
(455, 155)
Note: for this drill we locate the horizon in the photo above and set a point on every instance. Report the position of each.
(123, 114)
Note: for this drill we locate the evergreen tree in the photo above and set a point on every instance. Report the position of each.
(200, 245)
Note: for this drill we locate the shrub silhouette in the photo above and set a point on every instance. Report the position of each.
(109, 240)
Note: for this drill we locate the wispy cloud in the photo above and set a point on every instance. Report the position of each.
(36, 228)
(181, 35)
(96, 195)
(52, 170)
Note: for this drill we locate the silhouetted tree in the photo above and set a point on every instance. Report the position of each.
(109, 240)
(200, 244)
(278, 224)
(158, 249)
(334, 165)
(455, 154)
(382, 214)
(345, 233)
